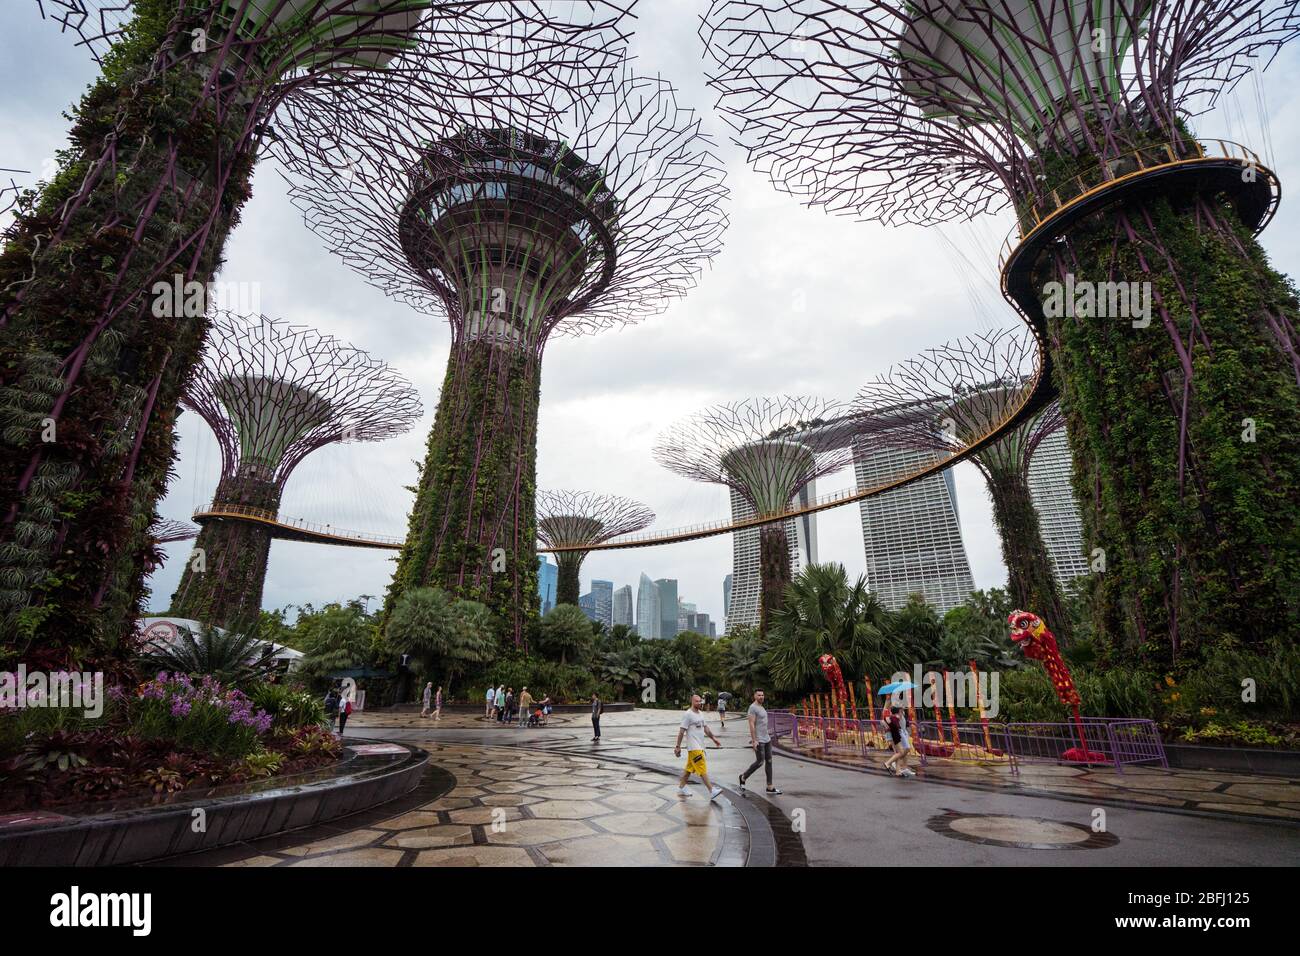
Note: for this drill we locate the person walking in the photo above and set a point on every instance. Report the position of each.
(547, 705)
(597, 708)
(489, 702)
(900, 741)
(332, 706)
(427, 703)
(500, 703)
(722, 708)
(345, 709)
(525, 706)
(694, 728)
(761, 740)
(437, 704)
(510, 706)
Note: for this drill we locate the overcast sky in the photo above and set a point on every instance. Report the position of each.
(871, 296)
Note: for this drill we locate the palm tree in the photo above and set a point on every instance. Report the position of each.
(824, 614)
(619, 668)
(440, 633)
(744, 660)
(236, 660)
(566, 632)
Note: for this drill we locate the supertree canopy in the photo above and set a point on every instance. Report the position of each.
(104, 274)
(956, 395)
(273, 393)
(766, 450)
(569, 520)
(514, 224)
(1173, 341)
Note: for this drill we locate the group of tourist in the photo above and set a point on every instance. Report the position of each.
(501, 704)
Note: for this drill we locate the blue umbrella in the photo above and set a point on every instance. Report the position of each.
(895, 688)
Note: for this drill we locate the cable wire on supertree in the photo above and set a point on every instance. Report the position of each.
(103, 278)
(963, 390)
(515, 225)
(567, 520)
(1174, 342)
(766, 451)
(273, 393)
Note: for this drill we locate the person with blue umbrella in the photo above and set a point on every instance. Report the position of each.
(900, 738)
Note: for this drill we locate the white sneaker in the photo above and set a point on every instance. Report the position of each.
(683, 791)
(715, 793)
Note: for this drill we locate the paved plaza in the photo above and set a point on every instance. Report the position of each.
(505, 796)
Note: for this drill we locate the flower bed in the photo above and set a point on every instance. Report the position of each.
(169, 734)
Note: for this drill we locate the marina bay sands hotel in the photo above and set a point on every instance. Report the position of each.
(912, 535)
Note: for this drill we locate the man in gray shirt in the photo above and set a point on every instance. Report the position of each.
(761, 740)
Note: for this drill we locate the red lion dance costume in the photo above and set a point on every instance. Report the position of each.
(1030, 634)
(831, 670)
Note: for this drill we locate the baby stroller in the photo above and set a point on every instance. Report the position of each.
(535, 718)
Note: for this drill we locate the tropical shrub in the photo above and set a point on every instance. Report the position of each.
(234, 660)
(288, 706)
(206, 716)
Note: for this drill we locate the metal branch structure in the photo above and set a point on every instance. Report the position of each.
(766, 450)
(158, 169)
(169, 531)
(570, 519)
(943, 401)
(272, 394)
(515, 224)
(1173, 340)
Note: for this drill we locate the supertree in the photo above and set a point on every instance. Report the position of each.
(104, 273)
(955, 395)
(273, 393)
(515, 224)
(568, 520)
(1174, 341)
(766, 450)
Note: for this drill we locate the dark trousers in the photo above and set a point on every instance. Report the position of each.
(343, 719)
(595, 726)
(762, 758)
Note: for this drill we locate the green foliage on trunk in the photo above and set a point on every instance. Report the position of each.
(473, 527)
(74, 557)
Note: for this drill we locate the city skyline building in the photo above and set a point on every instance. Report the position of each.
(1051, 473)
(602, 593)
(726, 598)
(623, 607)
(912, 535)
(647, 608)
(667, 588)
(548, 578)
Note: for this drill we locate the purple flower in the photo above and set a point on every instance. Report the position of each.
(180, 707)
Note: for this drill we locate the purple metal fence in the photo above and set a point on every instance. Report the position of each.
(1118, 741)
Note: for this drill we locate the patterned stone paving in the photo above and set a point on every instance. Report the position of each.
(1235, 794)
(516, 807)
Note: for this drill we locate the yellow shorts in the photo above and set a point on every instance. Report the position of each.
(695, 762)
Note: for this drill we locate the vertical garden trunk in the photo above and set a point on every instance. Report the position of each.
(568, 585)
(225, 574)
(1183, 430)
(473, 526)
(93, 359)
(1029, 567)
(774, 571)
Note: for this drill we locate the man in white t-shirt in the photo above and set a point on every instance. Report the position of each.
(695, 729)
